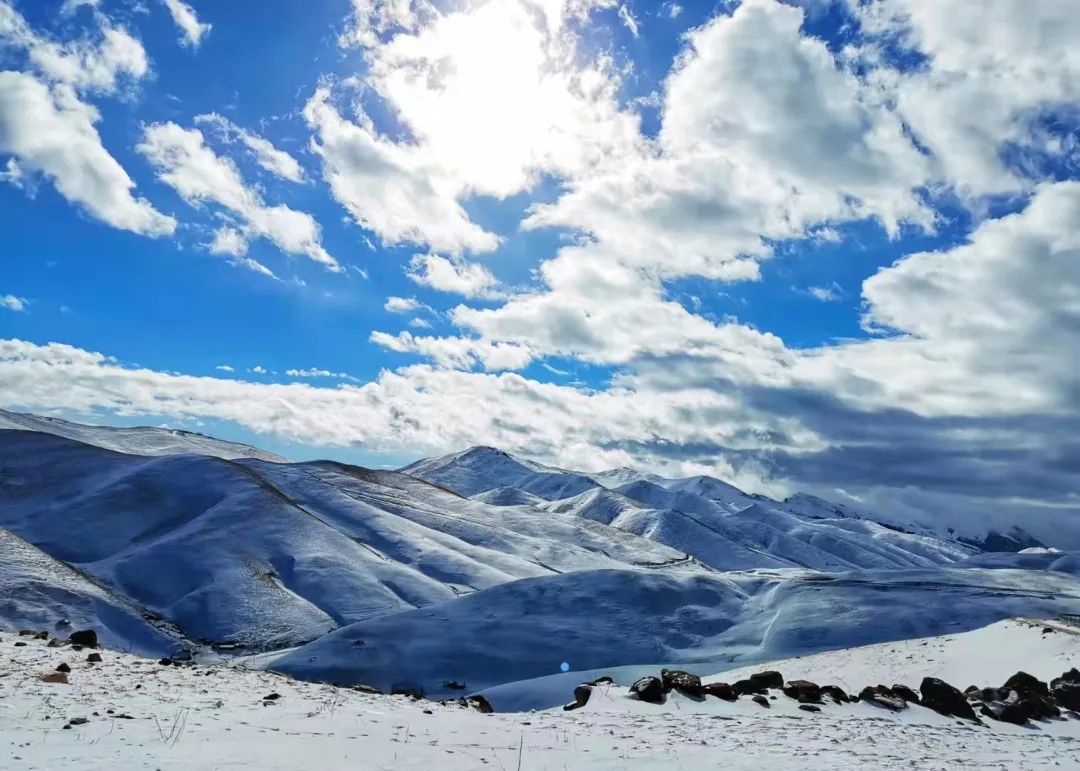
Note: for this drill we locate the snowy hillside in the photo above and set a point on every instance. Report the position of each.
(127, 712)
(332, 572)
(143, 440)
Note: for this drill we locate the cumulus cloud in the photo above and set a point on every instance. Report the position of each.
(453, 275)
(270, 158)
(199, 175)
(401, 304)
(13, 303)
(185, 18)
(51, 132)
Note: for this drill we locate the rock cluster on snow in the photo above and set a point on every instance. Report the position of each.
(1020, 699)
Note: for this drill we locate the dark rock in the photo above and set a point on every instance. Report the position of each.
(41, 636)
(945, 699)
(759, 699)
(63, 668)
(480, 704)
(836, 693)
(94, 658)
(407, 690)
(59, 678)
(1064, 692)
(1024, 684)
(748, 686)
(603, 680)
(804, 691)
(720, 691)
(166, 662)
(27, 633)
(987, 695)
(123, 716)
(1005, 712)
(78, 721)
(581, 697)
(20, 644)
(683, 682)
(1038, 707)
(272, 696)
(85, 637)
(809, 708)
(361, 688)
(454, 685)
(770, 679)
(56, 642)
(880, 697)
(76, 648)
(649, 689)
(905, 693)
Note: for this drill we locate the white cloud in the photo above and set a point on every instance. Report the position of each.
(674, 10)
(13, 303)
(199, 175)
(453, 275)
(89, 64)
(258, 369)
(314, 372)
(270, 158)
(229, 241)
(826, 294)
(546, 107)
(401, 304)
(628, 20)
(458, 352)
(184, 17)
(225, 368)
(71, 6)
(52, 132)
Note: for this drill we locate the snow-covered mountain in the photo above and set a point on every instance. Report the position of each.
(479, 567)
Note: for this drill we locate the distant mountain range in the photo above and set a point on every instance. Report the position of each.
(478, 566)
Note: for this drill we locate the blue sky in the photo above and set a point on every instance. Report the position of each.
(616, 232)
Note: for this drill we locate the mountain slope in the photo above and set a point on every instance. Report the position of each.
(271, 554)
(141, 440)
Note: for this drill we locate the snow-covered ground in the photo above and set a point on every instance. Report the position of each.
(205, 717)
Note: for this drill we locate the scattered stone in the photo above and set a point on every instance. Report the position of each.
(94, 658)
(749, 686)
(649, 689)
(770, 679)
(603, 680)
(56, 642)
(60, 678)
(76, 647)
(809, 708)
(720, 691)
(41, 636)
(428, 712)
(683, 682)
(880, 697)
(361, 688)
(85, 637)
(581, 697)
(759, 699)
(123, 716)
(63, 667)
(411, 691)
(945, 699)
(78, 721)
(803, 691)
(20, 644)
(27, 633)
(166, 662)
(272, 697)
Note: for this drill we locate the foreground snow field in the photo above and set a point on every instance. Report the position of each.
(141, 714)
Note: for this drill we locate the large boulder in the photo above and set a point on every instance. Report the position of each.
(683, 682)
(879, 696)
(749, 686)
(479, 703)
(1025, 684)
(1038, 707)
(1066, 694)
(770, 679)
(1072, 676)
(720, 691)
(945, 699)
(836, 693)
(804, 691)
(905, 693)
(649, 689)
(1006, 712)
(762, 700)
(581, 697)
(85, 637)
